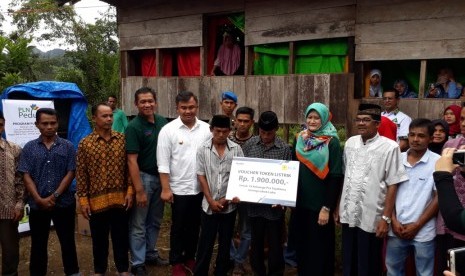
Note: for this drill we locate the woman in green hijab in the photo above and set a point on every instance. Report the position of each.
(320, 177)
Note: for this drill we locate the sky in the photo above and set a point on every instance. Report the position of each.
(89, 10)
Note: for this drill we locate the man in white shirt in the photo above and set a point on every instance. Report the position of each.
(373, 168)
(391, 104)
(414, 216)
(176, 157)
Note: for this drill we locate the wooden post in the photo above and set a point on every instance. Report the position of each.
(291, 63)
(159, 62)
(249, 60)
(422, 84)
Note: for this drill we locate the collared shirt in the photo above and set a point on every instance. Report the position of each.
(216, 169)
(232, 137)
(401, 120)
(369, 168)
(120, 121)
(142, 139)
(415, 194)
(11, 182)
(254, 147)
(176, 154)
(102, 172)
(48, 167)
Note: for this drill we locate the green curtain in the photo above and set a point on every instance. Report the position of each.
(312, 57)
(238, 20)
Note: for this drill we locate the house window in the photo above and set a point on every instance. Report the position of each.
(225, 56)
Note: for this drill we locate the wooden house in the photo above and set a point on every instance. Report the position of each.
(401, 37)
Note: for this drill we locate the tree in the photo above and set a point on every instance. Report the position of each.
(16, 59)
(94, 64)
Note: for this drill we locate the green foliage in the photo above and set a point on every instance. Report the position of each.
(44, 17)
(93, 64)
(16, 59)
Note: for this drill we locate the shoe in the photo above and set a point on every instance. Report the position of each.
(158, 261)
(139, 270)
(189, 265)
(238, 270)
(178, 270)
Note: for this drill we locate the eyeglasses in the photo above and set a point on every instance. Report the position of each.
(388, 99)
(363, 120)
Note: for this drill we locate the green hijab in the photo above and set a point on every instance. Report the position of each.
(312, 147)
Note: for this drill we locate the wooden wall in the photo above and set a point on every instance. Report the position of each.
(288, 96)
(271, 21)
(180, 24)
(168, 24)
(401, 30)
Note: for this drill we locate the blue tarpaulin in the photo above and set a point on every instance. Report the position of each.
(78, 124)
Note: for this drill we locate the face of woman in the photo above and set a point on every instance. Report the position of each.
(374, 80)
(449, 117)
(400, 87)
(439, 134)
(313, 121)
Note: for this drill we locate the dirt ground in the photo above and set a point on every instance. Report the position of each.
(84, 250)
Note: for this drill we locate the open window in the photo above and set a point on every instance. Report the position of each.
(323, 56)
(225, 42)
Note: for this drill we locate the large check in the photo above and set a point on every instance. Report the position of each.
(266, 181)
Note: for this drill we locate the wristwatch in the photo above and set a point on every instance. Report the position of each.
(56, 194)
(386, 219)
(326, 208)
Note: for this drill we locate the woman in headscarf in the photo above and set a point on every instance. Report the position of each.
(440, 136)
(402, 86)
(452, 117)
(320, 176)
(375, 84)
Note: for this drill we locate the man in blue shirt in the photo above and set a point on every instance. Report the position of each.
(48, 164)
(414, 216)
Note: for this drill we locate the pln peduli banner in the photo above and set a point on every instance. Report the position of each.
(20, 117)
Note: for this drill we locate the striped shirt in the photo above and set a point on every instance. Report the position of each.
(279, 151)
(216, 169)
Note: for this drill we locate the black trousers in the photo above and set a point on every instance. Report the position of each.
(315, 244)
(9, 242)
(64, 222)
(361, 252)
(273, 230)
(223, 224)
(185, 227)
(114, 221)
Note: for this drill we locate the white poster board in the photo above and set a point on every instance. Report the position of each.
(20, 117)
(265, 181)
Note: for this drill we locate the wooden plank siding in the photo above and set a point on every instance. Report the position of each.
(288, 96)
(403, 30)
(283, 21)
(184, 31)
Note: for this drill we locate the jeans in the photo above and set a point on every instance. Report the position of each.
(64, 222)
(114, 221)
(239, 253)
(144, 222)
(223, 224)
(9, 242)
(398, 250)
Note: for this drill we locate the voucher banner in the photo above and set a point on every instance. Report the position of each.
(265, 181)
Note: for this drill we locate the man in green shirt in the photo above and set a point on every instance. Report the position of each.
(141, 147)
(120, 121)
